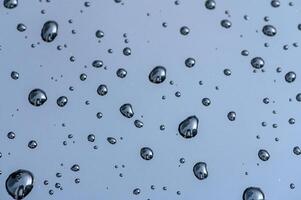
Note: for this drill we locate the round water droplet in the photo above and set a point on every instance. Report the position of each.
(127, 51)
(49, 31)
(253, 193)
(184, 30)
(11, 135)
(37, 97)
(21, 27)
(62, 101)
(231, 116)
(290, 77)
(91, 137)
(136, 191)
(275, 3)
(99, 34)
(263, 155)
(127, 110)
(188, 128)
(32, 144)
(19, 184)
(121, 73)
(200, 170)
(257, 62)
(146, 153)
(102, 90)
(206, 101)
(190, 62)
(269, 30)
(157, 75)
(210, 4)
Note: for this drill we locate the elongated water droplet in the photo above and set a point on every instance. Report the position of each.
(49, 31)
(200, 170)
(263, 155)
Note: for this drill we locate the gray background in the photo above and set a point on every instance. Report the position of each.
(229, 148)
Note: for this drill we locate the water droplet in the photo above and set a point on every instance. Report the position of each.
(157, 75)
(19, 184)
(37, 97)
(62, 101)
(75, 168)
(275, 3)
(226, 23)
(297, 150)
(184, 30)
(121, 73)
(263, 155)
(111, 140)
(231, 116)
(206, 101)
(138, 123)
(257, 62)
(146, 153)
(290, 77)
(97, 63)
(136, 191)
(32, 144)
(14, 75)
(210, 4)
(49, 31)
(99, 34)
(21, 27)
(102, 90)
(269, 30)
(190, 62)
(188, 128)
(10, 4)
(200, 170)
(253, 193)
(127, 110)
(91, 137)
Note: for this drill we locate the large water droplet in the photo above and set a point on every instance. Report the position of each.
(257, 62)
(37, 97)
(157, 75)
(189, 127)
(146, 153)
(127, 110)
(10, 4)
(269, 30)
(200, 170)
(49, 31)
(263, 155)
(253, 193)
(19, 184)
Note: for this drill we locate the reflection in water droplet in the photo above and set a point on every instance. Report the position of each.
(157, 75)
(231, 116)
(290, 77)
(200, 170)
(10, 3)
(102, 90)
(188, 128)
(269, 30)
(263, 155)
(49, 31)
(210, 4)
(19, 184)
(37, 97)
(62, 101)
(146, 153)
(257, 62)
(127, 110)
(253, 193)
